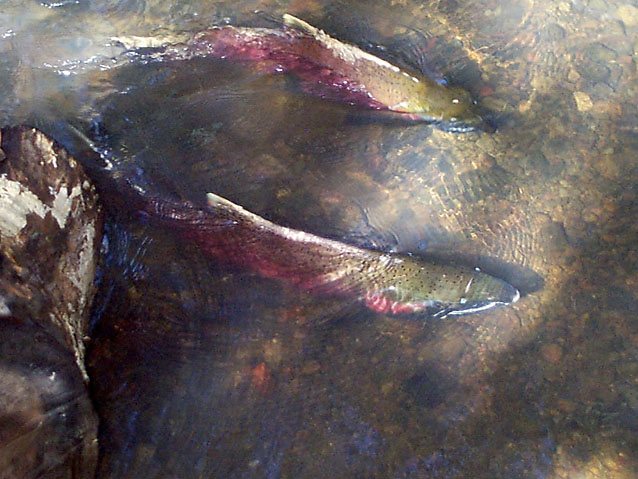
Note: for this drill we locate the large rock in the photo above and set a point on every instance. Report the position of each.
(50, 230)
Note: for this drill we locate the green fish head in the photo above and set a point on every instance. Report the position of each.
(453, 109)
(410, 284)
(484, 292)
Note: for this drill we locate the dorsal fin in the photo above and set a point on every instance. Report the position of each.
(216, 201)
(298, 24)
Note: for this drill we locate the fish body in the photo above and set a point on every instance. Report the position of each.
(333, 69)
(398, 90)
(385, 282)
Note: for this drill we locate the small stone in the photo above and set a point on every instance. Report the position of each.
(485, 143)
(628, 369)
(599, 53)
(312, 367)
(598, 5)
(552, 352)
(564, 6)
(555, 31)
(573, 76)
(629, 15)
(611, 462)
(609, 167)
(565, 405)
(589, 216)
(524, 106)
(556, 237)
(583, 102)
(261, 377)
(495, 103)
(273, 351)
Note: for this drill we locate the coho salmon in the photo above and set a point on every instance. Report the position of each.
(331, 69)
(385, 282)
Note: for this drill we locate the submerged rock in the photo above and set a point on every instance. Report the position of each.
(50, 229)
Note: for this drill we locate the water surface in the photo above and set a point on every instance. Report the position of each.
(200, 369)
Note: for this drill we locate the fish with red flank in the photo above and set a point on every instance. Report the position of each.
(332, 69)
(385, 282)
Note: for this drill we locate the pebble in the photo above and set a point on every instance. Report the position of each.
(583, 102)
(524, 106)
(608, 166)
(552, 352)
(564, 7)
(387, 388)
(555, 31)
(566, 406)
(311, 367)
(628, 369)
(273, 351)
(629, 15)
(573, 76)
(599, 53)
(611, 460)
(598, 5)
(495, 103)
(589, 216)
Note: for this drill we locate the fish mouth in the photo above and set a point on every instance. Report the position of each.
(458, 127)
(466, 125)
(508, 295)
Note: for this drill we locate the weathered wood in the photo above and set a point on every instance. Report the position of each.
(50, 231)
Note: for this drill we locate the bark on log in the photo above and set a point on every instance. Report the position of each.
(50, 231)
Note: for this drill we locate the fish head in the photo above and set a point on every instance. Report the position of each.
(453, 109)
(483, 292)
(413, 285)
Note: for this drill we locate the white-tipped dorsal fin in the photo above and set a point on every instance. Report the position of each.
(216, 201)
(298, 24)
(348, 53)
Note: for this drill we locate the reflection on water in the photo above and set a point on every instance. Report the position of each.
(201, 369)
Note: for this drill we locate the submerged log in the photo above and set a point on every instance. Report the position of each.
(50, 231)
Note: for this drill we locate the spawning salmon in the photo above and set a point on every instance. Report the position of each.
(386, 282)
(333, 69)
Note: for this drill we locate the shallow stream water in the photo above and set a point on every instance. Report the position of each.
(201, 369)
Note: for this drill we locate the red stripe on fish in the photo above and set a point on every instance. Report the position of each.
(286, 51)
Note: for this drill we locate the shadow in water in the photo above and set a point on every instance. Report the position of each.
(207, 370)
(571, 391)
